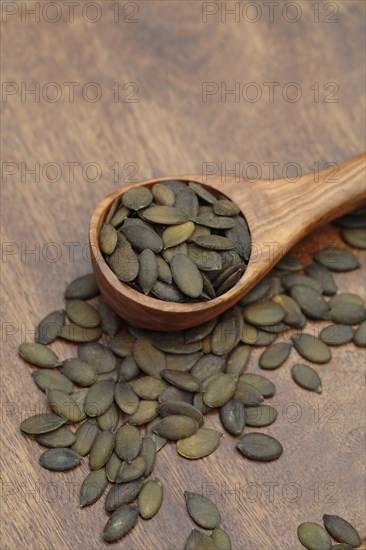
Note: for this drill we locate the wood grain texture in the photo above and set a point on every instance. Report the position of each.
(169, 53)
(285, 212)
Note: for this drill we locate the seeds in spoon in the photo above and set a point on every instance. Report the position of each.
(186, 276)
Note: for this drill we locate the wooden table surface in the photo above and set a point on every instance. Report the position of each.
(148, 98)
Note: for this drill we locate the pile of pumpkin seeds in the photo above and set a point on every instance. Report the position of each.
(314, 537)
(130, 393)
(176, 242)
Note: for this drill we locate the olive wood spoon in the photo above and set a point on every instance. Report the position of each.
(279, 213)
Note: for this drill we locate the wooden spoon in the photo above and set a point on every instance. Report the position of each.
(279, 213)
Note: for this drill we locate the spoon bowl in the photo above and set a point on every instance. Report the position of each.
(279, 213)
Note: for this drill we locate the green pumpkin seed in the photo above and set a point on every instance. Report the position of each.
(241, 236)
(99, 398)
(52, 379)
(219, 391)
(112, 209)
(42, 423)
(260, 383)
(258, 417)
(341, 530)
(110, 322)
(49, 328)
(341, 546)
(258, 292)
(60, 459)
(227, 332)
(311, 302)
(166, 215)
(150, 359)
(84, 288)
(294, 316)
(150, 498)
(123, 262)
(221, 539)
(247, 394)
(39, 355)
(306, 377)
(352, 220)
(119, 216)
(169, 253)
(109, 420)
(207, 260)
(148, 270)
(353, 314)
(264, 313)
(258, 446)
(174, 342)
(233, 417)
(209, 219)
(79, 372)
(164, 273)
(291, 280)
(214, 242)
(123, 493)
(167, 292)
(137, 198)
(313, 536)
(128, 369)
(311, 348)
(289, 263)
(186, 276)
(345, 299)
(176, 427)
(145, 412)
(203, 443)
(148, 453)
(79, 397)
(324, 277)
(336, 259)
(93, 487)
(202, 192)
(158, 441)
(180, 408)
(85, 435)
(199, 541)
(141, 237)
(224, 207)
(175, 394)
(335, 335)
(120, 523)
(199, 332)
(101, 449)
(62, 437)
(108, 238)
(112, 467)
(131, 471)
(183, 362)
(128, 443)
(64, 405)
(122, 343)
(255, 337)
(355, 237)
(360, 335)
(177, 234)
(163, 195)
(112, 375)
(275, 356)
(207, 365)
(187, 202)
(98, 356)
(230, 281)
(74, 333)
(182, 380)
(126, 398)
(81, 313)
(238, 360)
(202, 510)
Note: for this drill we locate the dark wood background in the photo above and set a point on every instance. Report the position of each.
(162, 61)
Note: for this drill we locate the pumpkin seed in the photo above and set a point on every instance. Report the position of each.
(219, 391)
(258, 417)
(163, 195)
(74, 333)
(177, 234)
(52, 379)
(207, 365)
(64, 405)
(128, 442)
(121, 522)
(258, 292)
(199, 332)
(150, 498)
(353, 314)
(202, 510)
(174, 185)
(79, 397)
(142, 237)
(122, 344)
(207, 260)
(167, 292)
(202, 192)
(233, 416)
(150, 359)
(352, 220)
(60, 459)
(93, 487)
(131, 471)
(38, 355)
(232, 279)
(180, 408)
(101, 449)
(166, 215)
(355, 237)
(123, 493)
(186, 276)
(247, 394)
(199, 541)
(360, 335)
(128, 369)
(158, 441)
(209, 219)
(241, 236)
(112, 467)
(79, 372)
(341, 530)
(126, 398)
(204, 442)
(221, 539)
(110, 322)
(182, 380)
(311, 302)
(85, 435)
(275, 356)
(119, 216)
(148, 271)
(258, 446)
(324, 277)
(255, 337)
(224, 207)
(109, 420)
(174, 342)
(137, 198)
(108, 238)
(81, 313)
(176, 427)
(214, 242)
(294, 316)
(313, 536)
(291, 280)
(289, 263)
(306, 377)
(187, 202)
(183, 362)
(62, 437)
(49, 328)
(227, 332)
(97, 355)
(341, 546)
(99, 398)
(164, 273)
(264, 313)
(345, 299)
(260, 383)
(336, 259)
(123, 261)
(148, 453)
(42, 423)
(145, 412)
(175, 394)
(84, 288)
(311, 348)
(238, 360)
(335, 335)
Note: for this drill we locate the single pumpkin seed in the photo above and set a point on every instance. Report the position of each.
(311, 302)
(112, 467)
(39, 355)
(220, 390)
(187, 202)
(259, 446)
(260, 416)
(260, 383)
(99, 398)
(230, 281)
(341, 530)
(123, 493)
(199, 332)
(238, 360)
(166, 215)
(167, 292)
(110, 322)
(221, 539)
(335, 335)
(345, 299)
(180, 408)
(214, 242)
(275, 356)
(169, 253)
(148, 387)
(202, 510)
(122, 343)
(60, 459)
(259, 292)
(355, 237)
(150, 359)
(164, 273)
(81, 313)
(84, 288)
(311, 348)
(126, 398)
(148, 271)
(74, 333)
(207, 365)
(145, 412)
(158, 441)
(360, 335)
(141, 237)
(209, 219)
(206, 260)
(52, 379)
(174, 185)
(199, 541)
(176, 427)
(306, 377)
(204, 442)
(148, 453)
(163, 195)
(64, 405)
(227, 332)
(336, 259)
(128, 442)
(123, 261)
(128, 369)
(108, 238)
(241, 236)
(101, 449)
(62, 437)
(224, 207)
(292, 279)
(264, 313)
(313, 536)
(183, 362)
(353, 314)
(109, 419)
(79, 397)
(119, 216)
(289, 263)
(150, 498)
(85, 435)
(49, 328)
(172, 393)
(177, 234)
(182, 380)
(233, 416)
(294, 316)
(255, 337)
(247, 394)
(42, 423)
(131, 471)
(93, 487)
(78, 371)
(97, 355)
(202, 192)
(173, 342)
(137, 198)
(120, 523)
(323, 276)
(186, 276)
